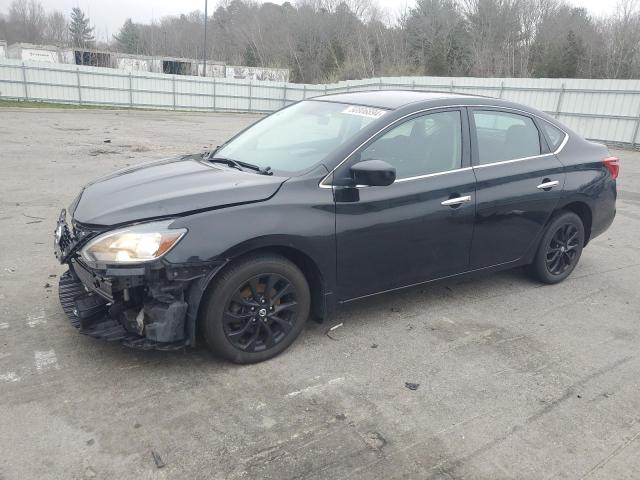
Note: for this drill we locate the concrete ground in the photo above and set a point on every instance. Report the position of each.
(516, 380)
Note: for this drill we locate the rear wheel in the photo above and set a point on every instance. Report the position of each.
(256, 309)
(559, 249)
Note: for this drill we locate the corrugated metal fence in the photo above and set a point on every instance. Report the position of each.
(605, 110)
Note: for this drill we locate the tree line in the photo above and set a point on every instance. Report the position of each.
(329, 40)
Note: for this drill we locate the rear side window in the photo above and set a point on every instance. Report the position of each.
(505, 136)
(554, 134)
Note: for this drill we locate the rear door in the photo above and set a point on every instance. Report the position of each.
(519, 183)
(418, 228)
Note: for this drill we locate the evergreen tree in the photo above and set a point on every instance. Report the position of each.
(129, 37)
(80, 32)
(571, 55)
(251, 56)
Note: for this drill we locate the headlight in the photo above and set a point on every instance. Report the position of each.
(140, 243)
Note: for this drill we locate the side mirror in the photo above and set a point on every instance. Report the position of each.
(373, 173)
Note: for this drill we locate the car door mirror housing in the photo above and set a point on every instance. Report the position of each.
(373, 173)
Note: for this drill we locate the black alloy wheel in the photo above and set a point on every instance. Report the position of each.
(559, 249)
(562, 249)
(261, 313)
(255, 308)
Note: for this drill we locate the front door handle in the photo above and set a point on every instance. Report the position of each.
(453, 202)
(548, 184)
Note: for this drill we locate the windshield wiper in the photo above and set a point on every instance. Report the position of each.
(227, 161)
(240, 165)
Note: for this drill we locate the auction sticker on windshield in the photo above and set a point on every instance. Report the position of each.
(361, 111)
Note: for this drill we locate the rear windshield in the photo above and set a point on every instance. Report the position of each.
(298, 137)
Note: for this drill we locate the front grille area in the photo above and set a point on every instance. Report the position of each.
(68, 290)
(89, 313)
(68, 239)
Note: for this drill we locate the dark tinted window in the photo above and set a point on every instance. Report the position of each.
(554, 134)
(505, 136)
(427, 144)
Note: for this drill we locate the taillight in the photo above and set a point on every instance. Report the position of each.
(613, 165)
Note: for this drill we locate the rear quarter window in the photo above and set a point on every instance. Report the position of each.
(554, 134)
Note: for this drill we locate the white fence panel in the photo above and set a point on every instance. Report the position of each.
(43, 84)
(12, 81)
(605, 110)
(191, 93)
(101, 88)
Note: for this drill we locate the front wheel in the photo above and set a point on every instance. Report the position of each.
(559, 249)
(256, 309)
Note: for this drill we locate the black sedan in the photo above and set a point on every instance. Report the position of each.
(324, 202)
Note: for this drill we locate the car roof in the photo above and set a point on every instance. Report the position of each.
(392, 99)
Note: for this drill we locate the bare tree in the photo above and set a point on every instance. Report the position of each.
(27, 19)
(622, 34)
(329, 40)
(436, 33)
(57, 29)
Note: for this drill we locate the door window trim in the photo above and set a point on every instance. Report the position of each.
(468, 108)
(465, 153)
(426, 175)
(534, 118)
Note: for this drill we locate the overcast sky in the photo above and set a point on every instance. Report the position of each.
(108, 15)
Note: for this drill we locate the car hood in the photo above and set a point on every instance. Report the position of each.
(168, 187)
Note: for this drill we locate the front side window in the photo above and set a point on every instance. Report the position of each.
(296, 138)
(427, 144)
(505, 136)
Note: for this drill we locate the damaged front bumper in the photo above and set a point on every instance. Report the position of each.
(151, 306)
(141, 324)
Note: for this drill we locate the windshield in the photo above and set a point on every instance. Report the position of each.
(298, 137)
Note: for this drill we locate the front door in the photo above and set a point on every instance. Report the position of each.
(420, 227)
(519, 183)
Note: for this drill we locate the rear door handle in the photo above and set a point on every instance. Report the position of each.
(452, 202)
(548, 185)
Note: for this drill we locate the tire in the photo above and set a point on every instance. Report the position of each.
(559, 249)
(278, 293)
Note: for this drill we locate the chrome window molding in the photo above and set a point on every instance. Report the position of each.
(322, 183)
(417, 177)
(502, 162)
(427, 175)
